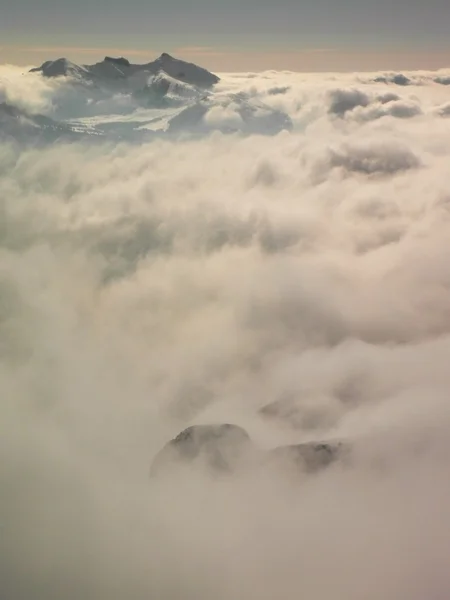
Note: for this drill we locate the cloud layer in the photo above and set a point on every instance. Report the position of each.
(147, 287)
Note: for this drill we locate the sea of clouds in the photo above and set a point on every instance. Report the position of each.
(145, 287)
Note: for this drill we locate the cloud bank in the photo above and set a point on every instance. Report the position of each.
(146, 287)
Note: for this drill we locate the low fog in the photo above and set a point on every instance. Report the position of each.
(148, 287)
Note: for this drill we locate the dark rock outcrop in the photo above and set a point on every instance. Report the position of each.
(309, 457)
(225, 447)
(118, 61)
(218, 447)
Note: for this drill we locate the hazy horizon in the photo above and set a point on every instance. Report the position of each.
(320, 60)
(326, 35)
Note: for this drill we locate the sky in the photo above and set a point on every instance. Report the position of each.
(233, 35)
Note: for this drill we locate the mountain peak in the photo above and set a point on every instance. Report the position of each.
(112, 69)
(184, 71)
(123, 62)
(57, 68)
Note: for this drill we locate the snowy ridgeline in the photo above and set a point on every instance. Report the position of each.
(115, 99)
(113, 70)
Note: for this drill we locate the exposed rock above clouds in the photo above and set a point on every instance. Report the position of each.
(119, 100)
(219, 447)
(113, 69)
(226, 447)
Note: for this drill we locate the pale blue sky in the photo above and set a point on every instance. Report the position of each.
(218, 31)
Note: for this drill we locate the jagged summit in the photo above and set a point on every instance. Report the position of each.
(117, 61)
(184, 71)
(60, 67)
(121, 68)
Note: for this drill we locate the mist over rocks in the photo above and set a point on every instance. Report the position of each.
(306, 458)
(226, 448)
(220, 447)
(160, 274)
(16, 125)
(396, 78)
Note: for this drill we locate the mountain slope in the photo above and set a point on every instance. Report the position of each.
(120, 69)
(16, 124)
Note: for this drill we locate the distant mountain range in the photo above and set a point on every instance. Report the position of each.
(120, 69)
(120, 101)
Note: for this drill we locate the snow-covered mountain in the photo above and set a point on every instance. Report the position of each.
(117, 100)
(114, 70)
(168, 91)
